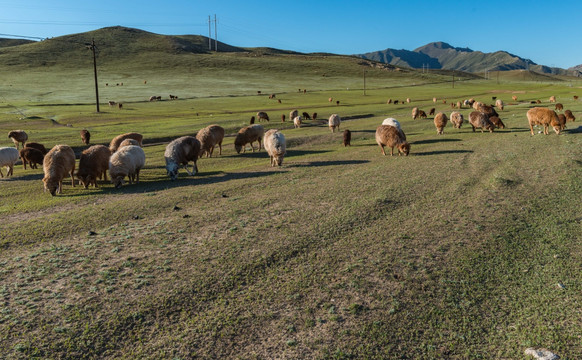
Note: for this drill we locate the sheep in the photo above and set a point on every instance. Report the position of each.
(552, 99)
(561, 120)
(272, 96)
(293, 114)
(119, 105)
(542, 116)
(395, 102)
(114, 145)
(514, 98)
(497, 122)
(575, 97)
(282, 117)
(209, 137)
(457, 119)
(387, 135)
(297, 122)
(466, 102)
(314, 116)
(569, 116)
(261, 115)
(37, 146)
(489, 110)
(559, 107)
(432, 111)
(414, 113)
(434, 100)
(85, 136)
(440, 122)
(93, 164)
(347, 138)
(306, 116)
(275, 144)
(31, 156)
(480, 120)
(158, 98)
(8, 157)
(252, 120)
(421, 114)
(173, 97)
(58, 162)
(153, 98)
(470, 102)
(128, 142)
(389, 101)
(248, 134)
(337, 102)
(408, 100)
(18, 136)
(499, 104)
(330, 99)
(334, 122)
(127, 161)
(279, 101)
(476, 105)
(538, 101)
(180, 152)
(459, 105)
(112, 103)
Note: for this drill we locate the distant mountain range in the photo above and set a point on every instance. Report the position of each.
(440, 55)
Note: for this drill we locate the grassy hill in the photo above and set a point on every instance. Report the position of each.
(467, 248)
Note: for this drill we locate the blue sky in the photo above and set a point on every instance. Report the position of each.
(545, 32)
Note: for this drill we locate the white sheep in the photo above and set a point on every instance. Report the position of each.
(126, 161)
(180, 152)
(334, 122)
(297, 121)
(393, 122)
(8, 157)
(275, 144)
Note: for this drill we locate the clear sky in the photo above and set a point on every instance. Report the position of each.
(545, 32)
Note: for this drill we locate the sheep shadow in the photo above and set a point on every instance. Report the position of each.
(440, 152)
(577, 130)
(25, 177)
(263, 154)
(432, 141)
(329, 163)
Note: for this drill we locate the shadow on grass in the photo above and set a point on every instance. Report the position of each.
(26, 177)
(432, 141)
(440, 152)
(577, 130)
(329, 163)
(263, 154)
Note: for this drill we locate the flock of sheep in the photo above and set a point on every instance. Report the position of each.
(125, 157)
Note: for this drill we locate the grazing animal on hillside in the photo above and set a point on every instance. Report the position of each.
(499, 104)
(330, 99)
(559, 107)
(408, 100)
(337, 102)
(306, 116)
(93, 165)
(395, 102)
(275, 145)
(538, 101)
(480, 120)
(248, 134)
(8, 157)
(293, 114)
(489, 110)
(575, 97)
(497, 122)
(552, 99)
(85, 136)
(459, 105)
(116, 141)
(389, 101)
(252, 120)
(282, 117)
(18, 136)
(569, 116)
(209, 137)
(37, 146)
(261, 115)
(396, 124)
(128, 142)
(180, 152)
(390, 136)
(422, 114)
(272, 96)
(347, 138)
(334, 122)
(58, 162)
(127, 161)
(432, 111)
(31, 156)
(279, 101)
(542, 116)
(561, 122)
(415, 113)
(440, 122)
(457, 119)
(297, 122)
(514, 98)
(314, 116)
(153, 98)
(112, 103)
(434, 100)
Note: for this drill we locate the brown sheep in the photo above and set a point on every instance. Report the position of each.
(209, 137)
(391, 136)
(36, 146)
(559, 107)
(347, 138)
(248, 134)
(421, 114)
(575, 97)
(395, 102)
(457, 119)
(440, 122)
(261, 115)
(282, 117)
(480, 120)
(459, 105)
(542, 116)
(497, 122)
(514, 98)
(114, 145)
(293, 114)
(552, 99)
(85, 136)
(561, 119)
(112, 103)
(31, 156)
(389, 101)
(487, 109)
(252, 120)
(93, 165)
(538, 101)
(432, 111)
(279, 101)
(18, 136)
(569, 116)
(306, 116)
(119, 105)
(58, 162)
(558, 124)
(334, 122)
(415, 113)
(314, 116)
(272, 96)
(337, 102)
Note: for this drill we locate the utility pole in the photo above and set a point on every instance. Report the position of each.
(215, 35)
(364, 82)
(453, 79)
(92, 48)
(209, 34)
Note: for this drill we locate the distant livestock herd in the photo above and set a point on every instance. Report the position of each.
(124, 158)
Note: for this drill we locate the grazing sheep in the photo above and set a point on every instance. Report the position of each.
(114, 145)
(499, 104)
(18, 136)
(37, 146)
(282, 117)
(279, 101)
(514, 98)
(440, 122)
(480, 120)
(180, 152)
(275, 144)
(8, 157)
(457, 119)
(459, 105)
(542, 116)
(261, 115)
(387, 135)
(248, 134)
(330, 99)
(559, 107)
(476, 105)
(306, 116)
(489, 110)
(31, 156)
(253, 120)
(337, 102)
(569, 116)
(85, 136)
(493, 98)
(128, 142)
(415, 113)
(314, 116)
(153, 98)
(334, 122)
(293, 114)
(408, 100)
(561, 119)
(497, 122)
(396, 124)
(422, 114)
(466, 102)
(58, 162)
(272, 96)
(173, 97)
(297, 122)
(389, 101)
(347, 138)
(538, 101)
(434, 100)
(395, 102)
(558, 124)
(552, 99)
(112, 103)
(93, 165)
(119, 105)
(575, 97)
(127, 161)
(209, 137)
(432, 111)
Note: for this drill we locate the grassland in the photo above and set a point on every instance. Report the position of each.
(468, 248)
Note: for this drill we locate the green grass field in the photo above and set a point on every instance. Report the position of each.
(469, 248)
